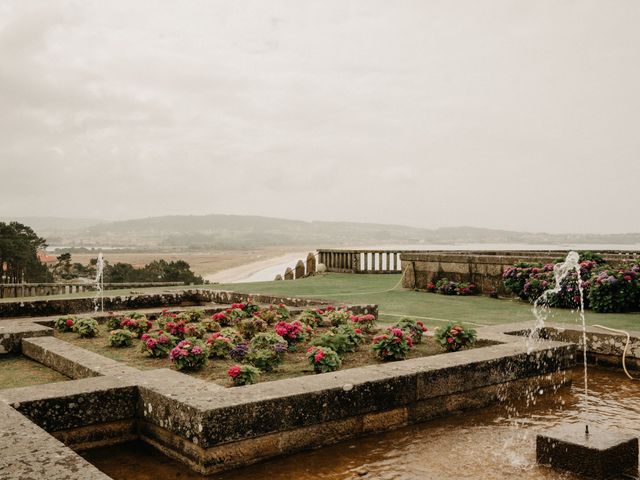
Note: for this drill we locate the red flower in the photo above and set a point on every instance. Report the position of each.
(69, 322)
(234, 371)
(449, 340)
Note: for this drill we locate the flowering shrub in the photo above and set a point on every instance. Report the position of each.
(274, 313)
(113, 322)
(211, 325)
(446, 287)
(219, 345)
(120, 338)
(449, 287)
(311, 318)
(249, 308)
(223, 318)
(182, 329)
(393, 345)
(240, 351)
(189, 354)
(514, 278)
(293, 332)
(157, 344)
(463, 288)
(249, 327)
(341, 339)
(65, 324)
(339, 317)
(165, 317)
(606, 289)
(431, 287)
(195, 315)
(232, 334)
(137, 325)
(243, 374)
(323, 359)
(266, 351)
(86, 327)
(616, 291)
(364, 322)
(415, 329)
(453, 337)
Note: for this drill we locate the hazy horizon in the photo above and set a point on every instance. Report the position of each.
(508, 115)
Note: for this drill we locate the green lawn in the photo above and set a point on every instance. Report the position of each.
(434, 308)
(349, 288)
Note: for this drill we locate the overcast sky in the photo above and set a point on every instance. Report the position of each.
(510, 114)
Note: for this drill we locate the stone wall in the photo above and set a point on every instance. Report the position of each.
(17, 290)
(191, 297)
(211, 428)
(482, 268)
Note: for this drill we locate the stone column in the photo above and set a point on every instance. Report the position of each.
(299, 271)
(288, 274)
(365, 263)
(311, 264)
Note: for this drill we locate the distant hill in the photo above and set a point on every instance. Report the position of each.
(243, 231)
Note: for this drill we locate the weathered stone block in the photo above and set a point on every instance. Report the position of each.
(599, 455)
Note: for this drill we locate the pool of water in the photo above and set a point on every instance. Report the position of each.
(492, 443)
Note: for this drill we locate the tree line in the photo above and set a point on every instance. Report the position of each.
(19, 261)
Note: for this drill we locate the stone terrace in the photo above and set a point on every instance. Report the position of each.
(212, 428)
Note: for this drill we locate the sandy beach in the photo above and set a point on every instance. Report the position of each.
(261, 270)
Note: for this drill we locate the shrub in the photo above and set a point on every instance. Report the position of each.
(415, 329)
(65, 324)
(323, 359)
(464, 289)
(249, 327)
(211, 325)
(189, 354)
(166, 317)
(274, 313)
(219, 345)
(266, 351)
(120, 338)
(249, 308)
(240, 351)
(243, 374)
(292, 332)
(364, 322)
(268, 340)
(182, 329)
(232, 334)
(138, 325)
(86, 327)
(339, 317)
(266, 359)
(157, 344)
(114, 322)
(514, 278)
(338, 342)
(223, 318)
(311, 318)
(341, 339)
(615, 291)
(195, 315)
(393, 345)
(453, 337)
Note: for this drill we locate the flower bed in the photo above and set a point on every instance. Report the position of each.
(606, 289)
(283, 351)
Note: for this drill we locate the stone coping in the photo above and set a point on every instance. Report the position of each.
(188, 297)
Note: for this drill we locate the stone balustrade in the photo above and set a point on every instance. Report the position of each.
(361, 261)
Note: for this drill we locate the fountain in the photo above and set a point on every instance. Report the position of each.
(99, 284)
(598, 454)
